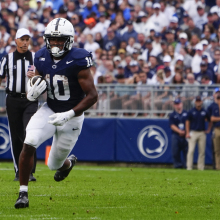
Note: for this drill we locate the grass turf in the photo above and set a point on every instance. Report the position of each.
(94, 192)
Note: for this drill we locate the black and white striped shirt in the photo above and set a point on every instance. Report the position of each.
(14, 66)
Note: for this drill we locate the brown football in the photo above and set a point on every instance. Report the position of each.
(35, 78)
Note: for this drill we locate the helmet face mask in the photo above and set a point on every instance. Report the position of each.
(59, 28)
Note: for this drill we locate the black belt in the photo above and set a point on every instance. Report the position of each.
(17, 95)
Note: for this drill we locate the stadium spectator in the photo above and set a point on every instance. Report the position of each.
(190, 91)
(192, 30)
(215, 65)
(90, 45)
(147, 51)
(76, 22)
(197, 59)
(185, 18)
(179, 145)
(204, 72)
(196, 132)
(90, 7)
(156, 42)
(159, 19)
(201, 18)
(141, 61)
(111, 40)
(161, 55)
(183, 42)
(130, 32)
(90, 26)
(206, 91)
(141, 98)
(168, 77)
(161, 95)
(123, 5)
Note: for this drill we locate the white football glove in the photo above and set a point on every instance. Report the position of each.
(35, 91)
(59, 119)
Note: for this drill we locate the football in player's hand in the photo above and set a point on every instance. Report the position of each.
(34, 79)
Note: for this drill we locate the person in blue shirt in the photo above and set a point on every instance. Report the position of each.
(215, 119)
(179, 143)
(130, 33)
(111, 40)
(89, 9)
(211, 108)
(204, 71)
(196, 133)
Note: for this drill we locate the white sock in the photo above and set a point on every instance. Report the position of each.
(70, 164)
(23, 188)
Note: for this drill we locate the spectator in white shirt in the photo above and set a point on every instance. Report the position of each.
(159, 19)
(156, 43)
(90, 26)
(201, 17)
(102, 25)
(197, 59)
(216, 8)
(183, 42)
(90, 45)
(191, 7)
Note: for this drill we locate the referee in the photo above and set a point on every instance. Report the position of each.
(15, 66)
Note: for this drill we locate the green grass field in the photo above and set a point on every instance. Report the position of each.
(102, 192)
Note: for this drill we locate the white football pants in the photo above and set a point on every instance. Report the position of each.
(64, 137)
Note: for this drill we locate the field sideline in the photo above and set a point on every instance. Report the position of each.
(101, 192)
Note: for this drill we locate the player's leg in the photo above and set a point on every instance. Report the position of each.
(30, 109)
(38, 130)
(63, 143)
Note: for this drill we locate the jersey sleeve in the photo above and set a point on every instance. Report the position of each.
(3, 67)
(83, 58)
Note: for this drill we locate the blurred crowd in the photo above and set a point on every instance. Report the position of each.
(143, 42)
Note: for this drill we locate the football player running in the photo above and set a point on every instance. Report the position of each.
(70, 91)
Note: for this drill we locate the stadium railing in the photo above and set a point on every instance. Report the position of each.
(120, 100)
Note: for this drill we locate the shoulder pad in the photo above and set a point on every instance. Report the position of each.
(79, 53)
(40, 52)
(82, 57)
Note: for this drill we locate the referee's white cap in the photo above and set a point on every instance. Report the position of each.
(22, 32)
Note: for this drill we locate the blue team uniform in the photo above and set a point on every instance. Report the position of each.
(214, 111)
(197, 119)
(179, 143)
(64, 90)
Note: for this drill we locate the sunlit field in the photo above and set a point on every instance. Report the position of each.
(103, 192)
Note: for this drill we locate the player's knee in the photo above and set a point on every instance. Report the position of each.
(32, 139)
(53, 165)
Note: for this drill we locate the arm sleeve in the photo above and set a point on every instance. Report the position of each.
(86, 61)
(3, 67)
(171, 120)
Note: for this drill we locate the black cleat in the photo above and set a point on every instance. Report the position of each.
(16, 176)
(32, 178)
(22, 201)
(61, 175)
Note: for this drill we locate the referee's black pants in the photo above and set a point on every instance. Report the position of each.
(19, 111)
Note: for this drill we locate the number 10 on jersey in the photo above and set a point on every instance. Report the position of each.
(60, 88)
